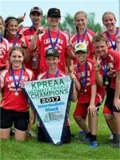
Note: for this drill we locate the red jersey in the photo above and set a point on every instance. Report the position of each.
(86, 38)
(112, 39)
(112, 61)
(4, 52)
(27, 34)
(86, 73)
(47, 75)
(16, 41)
(9, 99)
(44, 43)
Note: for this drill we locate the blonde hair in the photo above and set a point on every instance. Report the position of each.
(99, 37)
(80, 12)
(106, 13)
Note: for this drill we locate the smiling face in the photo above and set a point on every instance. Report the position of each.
(53, 21)
(109, 21)
(100, 48)
(16, 59)
(81, 20)
(12, 27)
(52, 62)
(81, 56)
(36, 18)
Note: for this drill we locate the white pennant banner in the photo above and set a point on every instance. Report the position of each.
(50, 99)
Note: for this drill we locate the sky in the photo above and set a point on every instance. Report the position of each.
(19, 7)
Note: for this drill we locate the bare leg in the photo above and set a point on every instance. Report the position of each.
(4, 133)
(20, 135)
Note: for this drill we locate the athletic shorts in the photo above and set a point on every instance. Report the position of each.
(10, 117)
(81, 110)
(109, 101)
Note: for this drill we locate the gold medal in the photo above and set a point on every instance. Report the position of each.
(16, 93)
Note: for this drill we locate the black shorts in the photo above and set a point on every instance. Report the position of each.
(109, 100)
(10, 117)
(66, 138)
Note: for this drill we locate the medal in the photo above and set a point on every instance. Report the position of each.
(17, 83)
(114, 46)
(106, 82)
(85, 90)
(16, 93)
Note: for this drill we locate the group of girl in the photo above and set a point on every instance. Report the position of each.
(91, 59)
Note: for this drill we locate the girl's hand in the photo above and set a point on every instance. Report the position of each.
(92, 109)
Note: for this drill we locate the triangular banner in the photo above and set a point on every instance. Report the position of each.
(50, 99)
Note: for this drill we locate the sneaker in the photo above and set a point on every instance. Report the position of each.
(117, 145)
(93, 144)
(31, 133)
(12, 132)
(111, 137)
(85, 139)
(82, 133)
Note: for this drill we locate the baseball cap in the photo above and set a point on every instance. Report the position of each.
(81, 46)
(52, 52)
(54, 12)
(36, 9)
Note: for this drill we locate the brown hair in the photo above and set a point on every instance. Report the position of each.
(80, 12)
(77, 13)
(16, 48)
(98, 37)
(108, 12)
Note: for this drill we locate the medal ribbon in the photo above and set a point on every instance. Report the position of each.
(51, 43)
(15, 40)
(1, 37)
(19, 79)
(105, 69)
(114, 46)
(56, 74)
(83, 79)
(78, 36)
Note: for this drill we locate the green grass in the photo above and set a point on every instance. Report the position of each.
(32, 150)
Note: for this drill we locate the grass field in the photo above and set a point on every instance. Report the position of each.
(32, 150)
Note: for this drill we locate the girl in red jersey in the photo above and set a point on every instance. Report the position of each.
(14, 104)
(83, 34)
(88, 100)
(109, 67)
(4, 47)
(52, 59)
(11, 32)
(112, 33)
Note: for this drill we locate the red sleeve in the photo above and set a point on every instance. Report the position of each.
(116, 56)
(93, 75)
